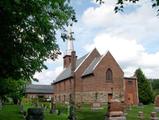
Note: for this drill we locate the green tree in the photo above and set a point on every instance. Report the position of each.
(28, 35)
(12, 88)
(144, 88)
(155, 86)
(28, 38)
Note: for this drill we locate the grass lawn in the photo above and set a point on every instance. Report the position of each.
(10, 112)
(146, 109)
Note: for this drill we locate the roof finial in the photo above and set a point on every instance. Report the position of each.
(70, 39)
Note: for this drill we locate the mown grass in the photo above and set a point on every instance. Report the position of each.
(146, 109)
(11, 112)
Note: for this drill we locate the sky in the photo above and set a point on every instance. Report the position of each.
(131, 36)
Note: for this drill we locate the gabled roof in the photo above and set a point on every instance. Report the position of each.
(43, 89)
(66, 73)
(91, 67)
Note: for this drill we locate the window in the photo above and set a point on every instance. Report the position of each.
(109, 74)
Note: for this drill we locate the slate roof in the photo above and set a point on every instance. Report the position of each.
(91, 67)
(66, 73)
(44, 89)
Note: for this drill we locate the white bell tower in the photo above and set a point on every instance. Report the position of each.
(70, 46)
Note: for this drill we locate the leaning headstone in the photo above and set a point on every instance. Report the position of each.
(154, 116)
(140, 115)
(35, 114)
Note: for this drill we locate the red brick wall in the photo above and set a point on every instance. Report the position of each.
(99, 83)
(131, 91)
(81, 69)
(88, 87)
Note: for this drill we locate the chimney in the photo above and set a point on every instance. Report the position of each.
(73, 60)
(66, 60)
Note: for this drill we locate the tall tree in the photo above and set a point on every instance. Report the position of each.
(12, 88)
(28, 34)
(144, 88)
(155, 86)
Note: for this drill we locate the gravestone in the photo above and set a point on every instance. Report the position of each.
(140, 115)
(96, 106)
(116, 110)
(154, 116)
(35, 114)
(53, 107)
(140, 105)
(157, 103)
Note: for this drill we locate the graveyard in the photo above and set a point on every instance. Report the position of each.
(85, 112)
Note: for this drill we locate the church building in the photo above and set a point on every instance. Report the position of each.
(94, 78)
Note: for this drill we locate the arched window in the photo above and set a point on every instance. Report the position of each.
(109, 74)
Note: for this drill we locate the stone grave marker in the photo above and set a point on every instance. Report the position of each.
(140, 105)
(35, 114)
(78, 105)
(53, 107)
(96, 106)
(157, 103)
(154, 116)
(116, 110)
(140, 115)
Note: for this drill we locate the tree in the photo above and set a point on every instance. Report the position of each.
(12, 88)
(120, 4)
(28, 35)
(144, 88)
(155, 86)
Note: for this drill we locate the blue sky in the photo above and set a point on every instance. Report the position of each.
(132, 37)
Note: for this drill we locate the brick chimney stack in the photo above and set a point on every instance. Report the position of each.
(73, 60)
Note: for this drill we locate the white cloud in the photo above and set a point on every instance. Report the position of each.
(131, 25)
(54, 68)
(129, 53)
(125, 35)
(47, 76)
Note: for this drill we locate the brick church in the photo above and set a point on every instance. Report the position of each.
(97, 78)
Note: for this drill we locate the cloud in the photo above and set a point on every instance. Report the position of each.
(54, 68)
(47, 76)
(134, 24)
(128, 52)
(129, 36)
